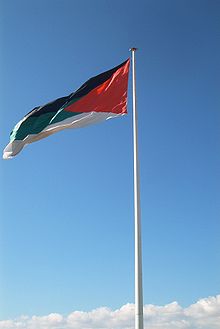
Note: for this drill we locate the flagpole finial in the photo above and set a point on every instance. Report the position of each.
(133, 49)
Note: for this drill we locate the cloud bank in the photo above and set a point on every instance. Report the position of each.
(204, 314)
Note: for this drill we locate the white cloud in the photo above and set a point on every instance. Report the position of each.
(205, 314)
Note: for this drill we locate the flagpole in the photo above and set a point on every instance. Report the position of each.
(139, 323)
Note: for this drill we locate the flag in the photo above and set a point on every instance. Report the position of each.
(100, 98)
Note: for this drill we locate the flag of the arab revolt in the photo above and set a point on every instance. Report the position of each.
(101, 97)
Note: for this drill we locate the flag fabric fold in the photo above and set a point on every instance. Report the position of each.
(100, 98)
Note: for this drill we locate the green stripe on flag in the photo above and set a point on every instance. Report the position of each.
(32, 125)
(62, 115)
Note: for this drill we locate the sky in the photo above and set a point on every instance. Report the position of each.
(67, 223)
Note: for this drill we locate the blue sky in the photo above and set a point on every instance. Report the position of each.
(67, 201)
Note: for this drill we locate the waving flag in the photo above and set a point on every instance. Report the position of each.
(100, 98)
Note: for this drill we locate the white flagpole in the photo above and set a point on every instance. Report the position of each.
(139, 323)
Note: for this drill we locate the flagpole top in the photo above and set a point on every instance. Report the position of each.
(133, 49)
